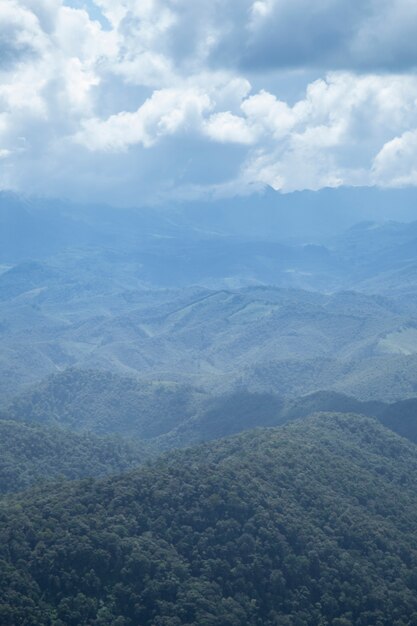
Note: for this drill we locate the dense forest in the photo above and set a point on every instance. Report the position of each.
(165, 415)
(104, 403)
(30, 454)
(313, 523)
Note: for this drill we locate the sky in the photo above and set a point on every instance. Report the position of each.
(138, 101)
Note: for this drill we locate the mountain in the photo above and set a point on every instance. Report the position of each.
(311, 523)
(169, 415)
(402, 418)
(302, 215)
(239, 411)
(305, 240)
(214, 295)
(105, 403)
(31, 454)
(284, 341)
(33, 227)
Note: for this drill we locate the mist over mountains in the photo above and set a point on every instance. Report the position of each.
(28, 222)
(126, 335)
(166, 295)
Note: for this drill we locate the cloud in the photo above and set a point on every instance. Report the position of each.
(329, 34)
(166, 113)
(396, 163)
(328, 138)
(228, 128)
(372, 35)
(121, 99)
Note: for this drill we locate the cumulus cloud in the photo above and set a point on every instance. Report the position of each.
(396, 162)
(167, 112)
(228, 128)
(129, 97)
(330, 34)
(331, 136)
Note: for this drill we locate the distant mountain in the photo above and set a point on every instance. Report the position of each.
(31, 454)
(214, 295)
(240, 411)
(313, 523)
(105, 403)
(284, 341)
(381, 256)
(169, 415)
(387, 377)
(303, 215)
(294, 240)
(39, 227)
(36, 229)
(401, 417)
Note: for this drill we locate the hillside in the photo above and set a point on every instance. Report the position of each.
(312, 523)
(209, 297)
(31, 454)
(241, 410)
(105, 403)
(285, 341)
(170, 415)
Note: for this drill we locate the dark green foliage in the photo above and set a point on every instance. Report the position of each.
(401, 417)
(30, 453)
(226, 415)
(103, 402)
(312, 524)
(172, 415)
(232, 413)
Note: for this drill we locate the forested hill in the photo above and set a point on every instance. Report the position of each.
(104, 403)
(30, 453)
(313, 523)
(173, 415)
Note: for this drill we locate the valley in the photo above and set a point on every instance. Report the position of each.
(201, 428)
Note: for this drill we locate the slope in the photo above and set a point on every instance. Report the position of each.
(30, 454)
(106, 403)
(314, 523)
(170, 415)
(286, 341)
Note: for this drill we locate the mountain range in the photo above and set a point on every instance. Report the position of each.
(208, 411)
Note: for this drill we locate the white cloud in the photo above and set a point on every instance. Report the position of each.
(269, 115)
(167, 112)
(226, 127)
(167, 84)
(331, 136)
(396, 163)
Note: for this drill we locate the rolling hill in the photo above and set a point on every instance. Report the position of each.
(210, 297)
(105, 403)
(169, 415)
(311, 523)
(31, 454)
(285, 341)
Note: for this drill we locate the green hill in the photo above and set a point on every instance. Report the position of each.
(171, 415)
(285, 341)
(30, 453)
(313, 523)
(106, 403)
